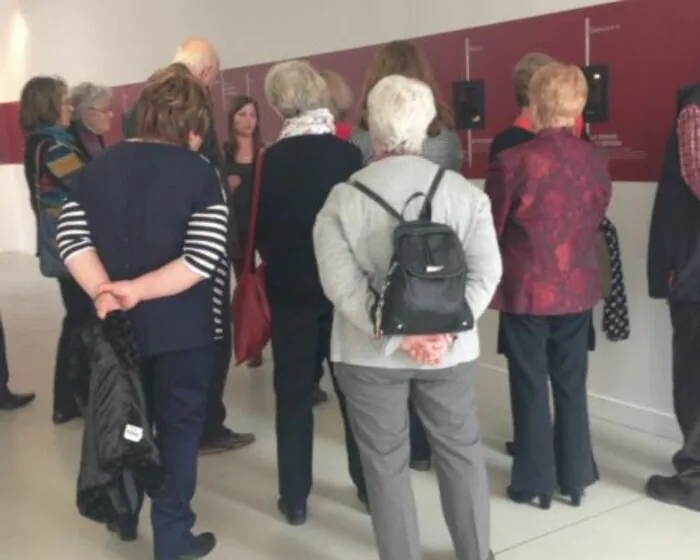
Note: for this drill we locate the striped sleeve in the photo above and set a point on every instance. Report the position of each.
(206, 240)
(72, 232)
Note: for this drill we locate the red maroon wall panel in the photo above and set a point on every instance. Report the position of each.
(650, 52)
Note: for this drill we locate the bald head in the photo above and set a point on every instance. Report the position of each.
(200, 57)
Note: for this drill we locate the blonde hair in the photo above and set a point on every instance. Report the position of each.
(525, 69)
(340, 94)
(295, 87)
(558, 94)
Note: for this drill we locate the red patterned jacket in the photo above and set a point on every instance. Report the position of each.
(549, 197)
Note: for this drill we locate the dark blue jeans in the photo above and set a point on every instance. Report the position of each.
(177, 384)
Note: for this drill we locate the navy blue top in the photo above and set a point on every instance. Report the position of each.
(140, 206)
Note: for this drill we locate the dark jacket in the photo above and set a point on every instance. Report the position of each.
(673, 261)
(118, 444)
(83, 138)
(297, 175)
(139, 198)
(549, 197)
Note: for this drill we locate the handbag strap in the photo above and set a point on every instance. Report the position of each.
(248, 256)
(37, 172)
(426, 211)
(364, 189)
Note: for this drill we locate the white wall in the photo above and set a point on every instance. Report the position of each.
(629, 382)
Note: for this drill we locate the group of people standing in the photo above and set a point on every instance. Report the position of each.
(153, 226)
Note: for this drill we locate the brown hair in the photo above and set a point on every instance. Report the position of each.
(558, 94)
(237, 103)
(173, 104)
(40, 102)
(340, 94)
(525, 69)
(405, 59)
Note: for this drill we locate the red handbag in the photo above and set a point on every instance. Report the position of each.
(250, 310)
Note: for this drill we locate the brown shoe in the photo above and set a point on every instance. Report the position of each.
(227, 441)
(673, 490)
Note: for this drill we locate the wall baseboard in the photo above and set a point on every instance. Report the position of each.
(615, 411)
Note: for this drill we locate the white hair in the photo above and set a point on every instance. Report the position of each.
(399, 112)
(295, 87)
(88, 96)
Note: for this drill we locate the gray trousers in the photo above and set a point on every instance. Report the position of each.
(377, 401)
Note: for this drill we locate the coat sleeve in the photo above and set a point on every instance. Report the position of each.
(344, 282)
(483, 257)
(499, 193)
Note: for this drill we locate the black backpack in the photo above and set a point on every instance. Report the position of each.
(424, 291)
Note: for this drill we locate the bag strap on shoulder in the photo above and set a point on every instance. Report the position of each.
(426, 210)
(378, 199)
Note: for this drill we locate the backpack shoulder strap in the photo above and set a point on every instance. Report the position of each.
(378, 199)
(426, 210)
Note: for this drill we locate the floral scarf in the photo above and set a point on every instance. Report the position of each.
(317, 121)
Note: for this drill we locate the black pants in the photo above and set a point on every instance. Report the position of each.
(300, 335)
(176, 385)
(541, 350)
(4, 368)
(216, 408)
(685, 319)
(72, 366)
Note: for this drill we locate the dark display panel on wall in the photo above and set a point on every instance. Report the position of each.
(648, 54)
(469, 104)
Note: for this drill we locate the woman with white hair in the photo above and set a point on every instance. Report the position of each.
(298, 172)
(92, 118)
(353, 239)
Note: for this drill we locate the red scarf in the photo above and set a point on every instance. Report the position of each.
(526, 124)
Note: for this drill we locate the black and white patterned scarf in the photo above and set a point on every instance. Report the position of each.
(616, 320)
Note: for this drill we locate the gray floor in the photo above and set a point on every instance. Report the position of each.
(236, 497)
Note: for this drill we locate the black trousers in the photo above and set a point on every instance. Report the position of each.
(685, 320)
(542, 350)
(300, 336)
(4, 368)
(176, 386)
(72, 371)
(216, 408)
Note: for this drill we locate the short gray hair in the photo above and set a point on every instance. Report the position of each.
(295, 87)
(399, 112)
(88, 96)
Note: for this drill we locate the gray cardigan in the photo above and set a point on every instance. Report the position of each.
(353, 245)
(445, 149)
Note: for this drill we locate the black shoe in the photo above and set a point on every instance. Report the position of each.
(510, 448)
(228, 440)
(61, 417)
(673, 490)
(320, 396)
(127, 529)
(10, 401)
(545, 500)
(421, 465)
(575, 496)
(295, 517)
(202, 546)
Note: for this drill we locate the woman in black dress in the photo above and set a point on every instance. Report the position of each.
(240, 150)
